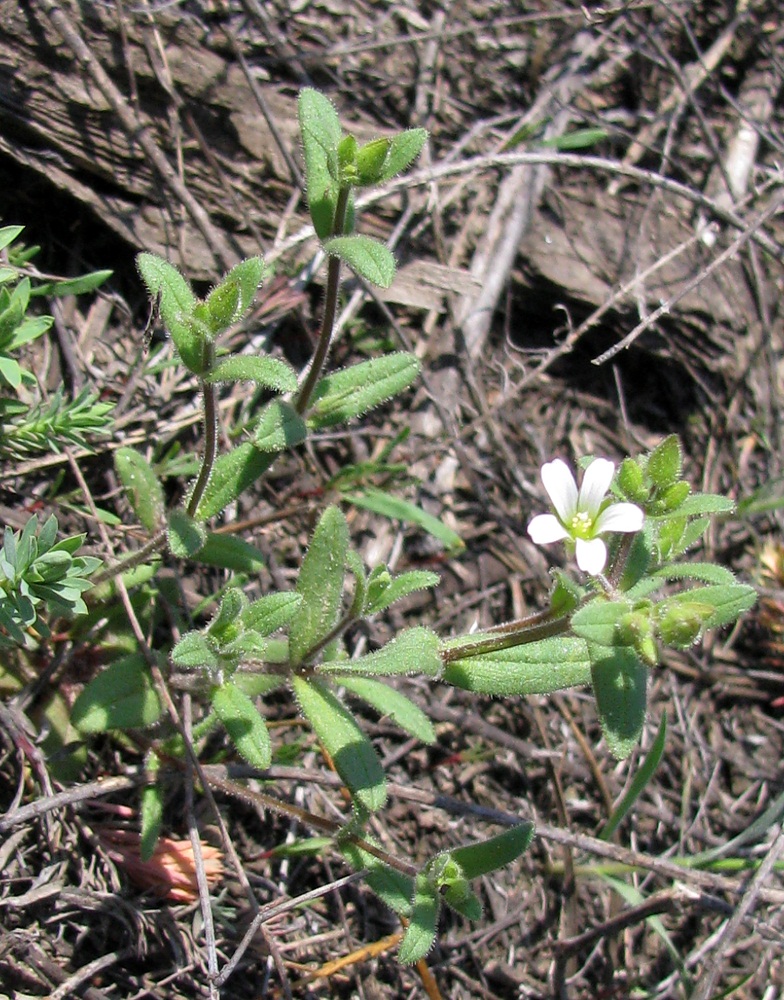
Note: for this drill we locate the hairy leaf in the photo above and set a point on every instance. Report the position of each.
(350, 749)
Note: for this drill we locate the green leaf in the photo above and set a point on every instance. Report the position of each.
(421, 933)
(639, 783)
(185, 535)
(227, 623)
(232, 298)
(320, 130)
(598, 620)
(368, 258)
(705, 572)
(619, 686)
(391, 886)
(279, 427)
(579, 139)
(401, 586)
(704, 503)
(531, 668)
(353, 391)
(230, 552)
(271, 373)
(8, 234)
(320, 584)
(244, 724)
(78, 286)
(233, 473)
(121, 697)
(177, 305)
(142, 487)
(369, 161)
(193, 651)
(268, 614)
(404, 148)
(490, 855)
(350, 749)
(381, 502)
(412, 651)
(391, 704)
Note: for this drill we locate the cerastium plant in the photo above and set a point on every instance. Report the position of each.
(607, 623)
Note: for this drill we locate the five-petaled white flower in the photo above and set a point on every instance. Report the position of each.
(582, 516)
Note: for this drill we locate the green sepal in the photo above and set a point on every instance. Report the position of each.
(185, 536)
(270, 373)
(348, 746)
(230, 552)
(142, 487)
(121, 697)
(353, 391)
(320, 584)
(244, 724)
(232, 473)
(420, 935)
(268, 614)
(531, 668)
(412, 651)
(620, 688)
(368, 258)
(320, 130)
(279, 427)
(391, 704)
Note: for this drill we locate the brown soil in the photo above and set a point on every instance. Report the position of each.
(171, 127)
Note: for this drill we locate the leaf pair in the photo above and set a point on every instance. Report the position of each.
(334, 164)
(194, 324)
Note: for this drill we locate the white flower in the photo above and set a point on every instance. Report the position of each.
(580, 516)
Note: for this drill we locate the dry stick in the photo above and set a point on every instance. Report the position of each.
(198, 859)
(729, 933)
(693, 78)
(224, 256)
(714, 265)
(518, 197)
(72, 797)
(476, 164)
(272, 910)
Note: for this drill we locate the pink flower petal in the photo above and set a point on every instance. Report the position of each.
(596, 483)
(561, 488)
(591, 555)
(619, 517)
(546, 528)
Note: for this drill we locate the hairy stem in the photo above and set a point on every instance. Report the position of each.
(210, 434)
(330, 310)
(542, 625)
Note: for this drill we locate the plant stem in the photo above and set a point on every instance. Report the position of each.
(542, 625)
(210, 433)
(330, 310)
